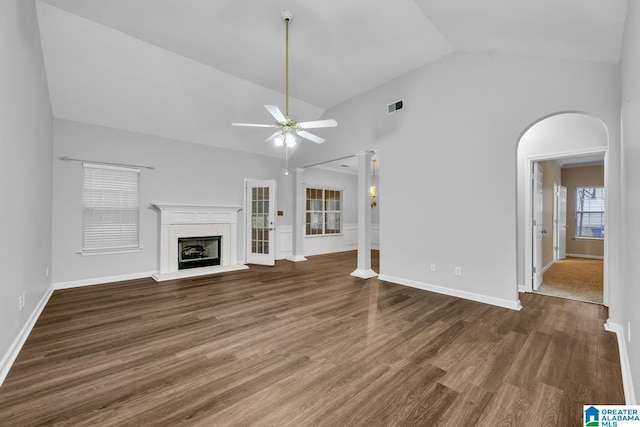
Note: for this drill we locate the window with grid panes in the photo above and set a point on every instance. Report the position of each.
(590, 212)
(323, 212)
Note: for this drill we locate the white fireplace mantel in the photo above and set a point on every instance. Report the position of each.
(191, 221)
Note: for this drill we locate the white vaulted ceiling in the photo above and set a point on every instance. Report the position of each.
(186, 69)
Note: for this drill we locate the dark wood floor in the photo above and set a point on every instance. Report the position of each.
(307, 344)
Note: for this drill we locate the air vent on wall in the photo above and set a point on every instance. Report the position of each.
(395, 106)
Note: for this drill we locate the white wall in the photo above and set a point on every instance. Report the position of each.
(25, 173)
(185, 173)
(453, 148)
(629, 313)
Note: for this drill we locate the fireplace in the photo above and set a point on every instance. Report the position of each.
(200, 251)
(192, 223)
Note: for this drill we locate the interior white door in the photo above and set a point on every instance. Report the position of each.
(561, 244)
(260, 229)
(537, 205)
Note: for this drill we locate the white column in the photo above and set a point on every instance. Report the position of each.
(297, 253)
(364, 217)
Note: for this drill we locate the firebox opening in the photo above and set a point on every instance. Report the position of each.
(198, 251)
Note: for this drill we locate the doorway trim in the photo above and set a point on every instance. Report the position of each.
(528, 215)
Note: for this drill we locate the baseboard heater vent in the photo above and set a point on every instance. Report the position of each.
(395, 106)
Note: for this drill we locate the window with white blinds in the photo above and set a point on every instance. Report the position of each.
(590, 212)
(110, 208)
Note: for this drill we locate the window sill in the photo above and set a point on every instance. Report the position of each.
(599, 239)
(110, 252)
(323, 235)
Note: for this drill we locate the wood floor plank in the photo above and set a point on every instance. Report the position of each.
(302, 344)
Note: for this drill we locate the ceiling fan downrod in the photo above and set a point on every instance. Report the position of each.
(287, 16)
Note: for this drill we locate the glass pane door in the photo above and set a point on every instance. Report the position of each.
(260, 222)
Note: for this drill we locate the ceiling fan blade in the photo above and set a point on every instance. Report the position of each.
(330, 123)
(275, 112)
(310, 136)
(254, 125)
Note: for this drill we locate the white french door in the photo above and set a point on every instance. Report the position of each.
(260, 227)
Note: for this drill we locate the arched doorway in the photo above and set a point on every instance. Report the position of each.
(567, 138)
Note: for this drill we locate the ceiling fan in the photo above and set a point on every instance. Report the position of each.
(289, 128)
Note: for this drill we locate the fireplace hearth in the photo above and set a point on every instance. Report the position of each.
(202, 251)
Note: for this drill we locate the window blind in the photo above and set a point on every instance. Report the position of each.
(590, 212)
(110, 208)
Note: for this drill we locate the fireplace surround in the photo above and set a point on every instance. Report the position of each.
(189, 222)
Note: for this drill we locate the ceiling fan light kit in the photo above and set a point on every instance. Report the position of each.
(288, 128)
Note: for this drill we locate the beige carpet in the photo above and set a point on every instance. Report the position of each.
(575, 278)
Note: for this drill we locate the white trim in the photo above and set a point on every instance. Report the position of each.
(586, 256)
(364, 274)
(297, 258)
(513, 305)
(109, 252)
(625, 367)
(329, 251)
(522, 288)
(200, 271)
(548, 266)
(102, 280)
(528, 238)
(10, 356)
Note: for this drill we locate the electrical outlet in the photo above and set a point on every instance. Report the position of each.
(433, 267)
(20, 303)
(458, 271)
(47, 272)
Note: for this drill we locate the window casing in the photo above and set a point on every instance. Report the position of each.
(110, 209)
(323, 212)
(590, 212)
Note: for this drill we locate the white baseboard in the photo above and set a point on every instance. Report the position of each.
(195, 272)
(513, 305)
(101, 280)
(364, 274)
(330, 251)
(16, 346)
(625, 367)
(548, 266)
(297, 258)
(585, 256)
(522, 288)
